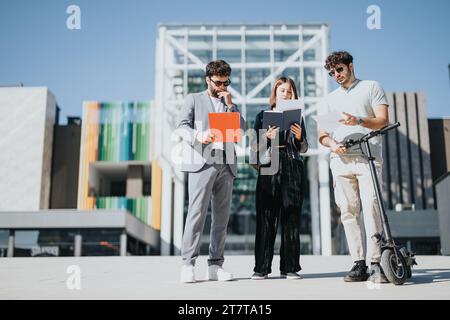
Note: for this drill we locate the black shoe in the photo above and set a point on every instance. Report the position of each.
(377, 274)
(357, 273)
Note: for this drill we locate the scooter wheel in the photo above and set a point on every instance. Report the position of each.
(394, 266)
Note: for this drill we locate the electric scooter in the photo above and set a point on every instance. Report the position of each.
(396, 262)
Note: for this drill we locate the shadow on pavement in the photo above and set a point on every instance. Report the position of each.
(324, 275)
(421, 276)
(303, 275)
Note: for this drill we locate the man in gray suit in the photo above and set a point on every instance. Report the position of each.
(211, 168)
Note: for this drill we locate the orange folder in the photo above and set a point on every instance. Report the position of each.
(225, 125)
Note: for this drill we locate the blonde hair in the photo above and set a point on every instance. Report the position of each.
(279, 82)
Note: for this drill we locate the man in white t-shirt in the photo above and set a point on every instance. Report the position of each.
(364, 108)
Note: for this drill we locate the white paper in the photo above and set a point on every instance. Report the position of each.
(328, 122)
(284, 105)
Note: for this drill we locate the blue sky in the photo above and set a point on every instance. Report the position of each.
(112, 57)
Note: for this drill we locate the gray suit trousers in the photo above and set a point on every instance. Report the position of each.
(214, 182)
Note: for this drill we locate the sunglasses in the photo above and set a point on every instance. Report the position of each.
(337, 70)
(221, 83)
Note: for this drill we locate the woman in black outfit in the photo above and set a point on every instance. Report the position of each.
(279, 196)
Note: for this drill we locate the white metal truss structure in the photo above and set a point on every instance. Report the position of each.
(258, 55)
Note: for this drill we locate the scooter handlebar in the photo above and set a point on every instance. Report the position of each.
(350, 143)
(389, 127)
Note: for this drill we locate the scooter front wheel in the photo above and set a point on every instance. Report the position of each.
(394, 266)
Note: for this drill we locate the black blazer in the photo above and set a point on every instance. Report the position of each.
(293, 146)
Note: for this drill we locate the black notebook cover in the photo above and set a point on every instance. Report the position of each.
(281, 119)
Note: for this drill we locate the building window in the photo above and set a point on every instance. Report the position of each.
(100, 242)
(257, 49)
(4, 237)
(421, 246)
(285, 46)
(137, 248)
(44, 243)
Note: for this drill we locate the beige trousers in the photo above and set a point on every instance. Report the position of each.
(353, 189)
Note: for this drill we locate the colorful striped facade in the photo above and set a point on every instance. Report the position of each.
(115, 133)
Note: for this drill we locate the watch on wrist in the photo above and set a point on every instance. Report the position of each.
(360, 121)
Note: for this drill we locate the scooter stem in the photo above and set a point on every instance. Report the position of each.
(376, 184)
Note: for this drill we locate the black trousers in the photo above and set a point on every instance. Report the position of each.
(279, 200)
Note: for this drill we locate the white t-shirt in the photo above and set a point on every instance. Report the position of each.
(218, 107)
(359, 100)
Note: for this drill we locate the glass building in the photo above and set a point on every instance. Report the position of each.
(258, 55)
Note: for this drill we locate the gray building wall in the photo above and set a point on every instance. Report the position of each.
(407, 178)
(439, 130)
(27, 118)
(443, 204)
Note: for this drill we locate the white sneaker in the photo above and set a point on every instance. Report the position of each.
(217, 273)
(291, 276)
(187, 274)
(259, 276)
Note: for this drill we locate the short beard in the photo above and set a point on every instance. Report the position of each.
(213, 92)
(348, 80)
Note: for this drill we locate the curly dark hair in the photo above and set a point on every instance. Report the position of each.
(338, 57)
(218, 68)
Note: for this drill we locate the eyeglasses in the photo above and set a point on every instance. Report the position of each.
(337, 70)
(221, 83)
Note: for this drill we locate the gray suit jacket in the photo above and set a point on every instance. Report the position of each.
(194, 119)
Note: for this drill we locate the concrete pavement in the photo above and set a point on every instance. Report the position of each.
(157, 278)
